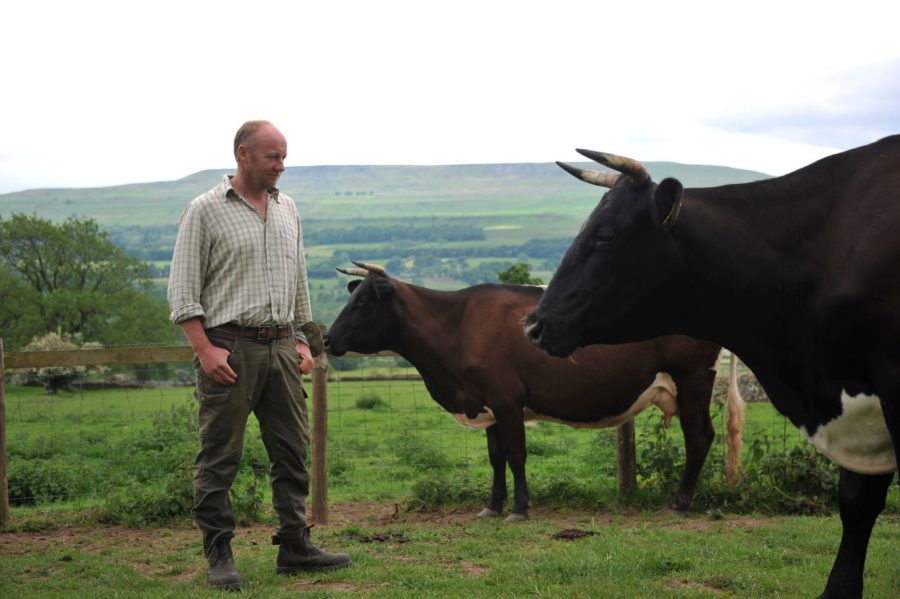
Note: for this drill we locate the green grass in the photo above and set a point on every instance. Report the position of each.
(448, 555)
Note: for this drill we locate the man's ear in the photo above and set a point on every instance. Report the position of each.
(667, 202)
(353, 284)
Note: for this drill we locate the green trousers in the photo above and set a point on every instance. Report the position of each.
(270, 385)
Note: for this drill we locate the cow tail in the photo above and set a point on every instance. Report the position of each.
(736, 409)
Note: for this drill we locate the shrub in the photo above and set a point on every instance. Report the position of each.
(138, 504)
(370, 401)
(660, 462)
(31, 482)
(411, 450)
(564, 489)
(443, 488)
(247, 499)
(788, 480)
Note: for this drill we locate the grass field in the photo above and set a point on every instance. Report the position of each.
(447, 554)
(387, 438)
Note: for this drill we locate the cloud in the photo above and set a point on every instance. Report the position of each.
(842, 110)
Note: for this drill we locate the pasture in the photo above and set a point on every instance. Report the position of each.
(109, 471)
(559, 553)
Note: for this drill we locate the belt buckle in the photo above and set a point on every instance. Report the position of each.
(269, 332)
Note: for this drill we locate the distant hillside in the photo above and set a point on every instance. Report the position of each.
(358, 192)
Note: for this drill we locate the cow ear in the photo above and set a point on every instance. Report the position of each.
(353, 284)
(667, 201)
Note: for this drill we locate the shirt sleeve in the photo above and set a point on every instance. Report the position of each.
(189, 261)
(302, 308)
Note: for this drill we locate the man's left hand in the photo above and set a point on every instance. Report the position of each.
(306, 360)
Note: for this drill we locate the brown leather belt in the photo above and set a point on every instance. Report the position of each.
(259, 333)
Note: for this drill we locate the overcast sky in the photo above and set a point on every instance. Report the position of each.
(102, 93)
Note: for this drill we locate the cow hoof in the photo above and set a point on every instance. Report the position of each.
(488, 513)
(514, 518)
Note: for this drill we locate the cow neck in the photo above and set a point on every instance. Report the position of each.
(746, 277)
(430, 317)
(429, 336)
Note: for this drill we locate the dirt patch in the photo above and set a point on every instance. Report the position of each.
(683, 585)
(341, 515)
(570, 534)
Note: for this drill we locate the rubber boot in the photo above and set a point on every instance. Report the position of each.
(222, 574)
(300, 555)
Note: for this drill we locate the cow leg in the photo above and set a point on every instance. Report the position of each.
(861, 498)
(693, 413)
(498, 463)
(511, 428)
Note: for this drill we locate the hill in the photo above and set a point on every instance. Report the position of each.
(353, 192)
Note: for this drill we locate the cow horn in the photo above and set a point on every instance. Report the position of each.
(355, 272)
(593, 177)
(378, 270)
(627, 166)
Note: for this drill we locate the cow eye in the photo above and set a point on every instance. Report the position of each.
(605, 236)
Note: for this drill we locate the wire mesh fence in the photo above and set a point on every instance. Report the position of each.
(105, 435)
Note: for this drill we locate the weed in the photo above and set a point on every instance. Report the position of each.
(370, 401)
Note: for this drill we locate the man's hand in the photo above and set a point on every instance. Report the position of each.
(214, 361)
(305, 355)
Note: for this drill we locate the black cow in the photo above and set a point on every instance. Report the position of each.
(799, 275)
(476, 363)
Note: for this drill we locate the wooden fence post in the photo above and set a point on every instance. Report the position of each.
(626, 479)
(319, 435)
(4, 480)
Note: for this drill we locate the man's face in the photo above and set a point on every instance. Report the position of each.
(262, 159)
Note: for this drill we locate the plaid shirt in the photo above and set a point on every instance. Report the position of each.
(231, 266)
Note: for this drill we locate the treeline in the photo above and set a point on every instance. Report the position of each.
(157, 242)
(548, 250)
(374, 234)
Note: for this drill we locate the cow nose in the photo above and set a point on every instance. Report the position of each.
(533, 330)
(326, 340)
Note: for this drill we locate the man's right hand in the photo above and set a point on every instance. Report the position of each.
(214, 361)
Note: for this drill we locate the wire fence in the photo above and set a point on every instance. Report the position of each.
(106, 434)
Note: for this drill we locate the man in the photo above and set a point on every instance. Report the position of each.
(238, 288)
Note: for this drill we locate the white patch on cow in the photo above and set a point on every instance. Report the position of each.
(661, 393)
(858, 439)
(483, 420)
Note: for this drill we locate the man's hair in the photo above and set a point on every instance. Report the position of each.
(247, 131)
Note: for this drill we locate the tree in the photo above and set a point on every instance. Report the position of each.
(19, 315)
(518, 274)
(77, 280)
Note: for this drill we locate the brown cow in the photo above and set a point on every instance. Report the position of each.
(476, 363)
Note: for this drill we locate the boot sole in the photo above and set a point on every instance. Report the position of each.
(298, 569)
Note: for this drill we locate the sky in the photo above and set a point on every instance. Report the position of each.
(97, 93)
